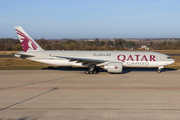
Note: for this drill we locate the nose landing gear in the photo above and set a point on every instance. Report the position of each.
(159, 69)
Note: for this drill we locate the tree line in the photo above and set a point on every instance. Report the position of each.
(9, 44)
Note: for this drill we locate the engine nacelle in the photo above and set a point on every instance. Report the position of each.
(114, 67)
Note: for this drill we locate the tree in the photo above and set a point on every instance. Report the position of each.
(96, 41)
(169, 43)
(130, 44)
(164, 43)
(70, 41)
(17, 47)
(43, 43)
(56, 46)
(102, 43)
(151, 44)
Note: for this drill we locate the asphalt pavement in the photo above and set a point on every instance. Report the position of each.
(66, 94)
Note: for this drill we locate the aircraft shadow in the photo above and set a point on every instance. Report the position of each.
(66, 68)
(69, 68)
(125, 70)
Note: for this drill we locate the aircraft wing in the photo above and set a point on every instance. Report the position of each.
(83, 60)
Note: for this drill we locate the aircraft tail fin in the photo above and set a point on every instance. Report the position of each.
(28, 44)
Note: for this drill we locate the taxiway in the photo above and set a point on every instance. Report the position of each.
(69, 94)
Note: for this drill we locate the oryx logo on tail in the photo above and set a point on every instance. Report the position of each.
(26, 42)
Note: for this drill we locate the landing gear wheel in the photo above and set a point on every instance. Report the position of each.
(96, 71)
(159, 71)
(91, 72)
(87, 72)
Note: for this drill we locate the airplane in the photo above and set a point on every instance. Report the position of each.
(112, 61)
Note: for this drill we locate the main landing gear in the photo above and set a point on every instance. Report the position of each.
(95, 71)
(159, 69)
(92, 70)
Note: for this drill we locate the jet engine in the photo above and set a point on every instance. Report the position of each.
(114, 67)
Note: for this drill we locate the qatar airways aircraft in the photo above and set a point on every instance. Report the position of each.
(112, 61)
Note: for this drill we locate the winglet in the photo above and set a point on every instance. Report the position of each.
(28, 44)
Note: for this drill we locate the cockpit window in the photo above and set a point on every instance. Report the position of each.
(168, 57)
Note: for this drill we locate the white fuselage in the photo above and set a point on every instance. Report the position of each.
(128, 58)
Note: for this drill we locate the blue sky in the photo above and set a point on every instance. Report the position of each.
(91, 18)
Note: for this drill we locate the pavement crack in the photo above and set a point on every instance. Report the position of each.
(28, 99)
(39, 82)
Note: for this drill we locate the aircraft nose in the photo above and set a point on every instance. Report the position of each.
(171, 62)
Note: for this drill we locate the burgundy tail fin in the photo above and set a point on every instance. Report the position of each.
(28, 44)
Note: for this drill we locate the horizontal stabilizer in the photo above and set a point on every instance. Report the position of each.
(24, 55)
